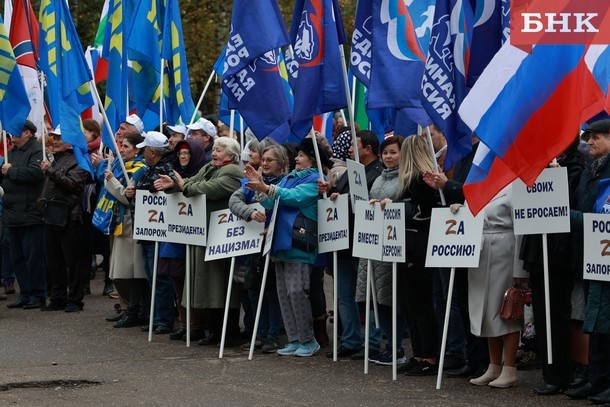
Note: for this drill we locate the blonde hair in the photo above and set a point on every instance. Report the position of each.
(415, 159)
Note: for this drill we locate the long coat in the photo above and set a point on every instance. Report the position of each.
(385, 186)
(488, 282)
(210, 278)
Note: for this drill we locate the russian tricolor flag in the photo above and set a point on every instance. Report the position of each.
(526, 109)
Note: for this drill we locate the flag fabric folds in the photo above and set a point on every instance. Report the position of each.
(180, 102)
(63, 62)
(24, 39)
(443, 85)
(114, 52)
(256, 27)
(14, 102)
(527, 108)
(314, 65)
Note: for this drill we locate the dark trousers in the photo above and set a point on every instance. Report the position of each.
(415, 300)
(477, 352)
(316, 292)
(28, 258)
(560, 287)
(599, 359)
(67, 263)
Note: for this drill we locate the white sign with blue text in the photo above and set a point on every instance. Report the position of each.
(596, 265)
(232, 236)
(149, 221)
(333, 225)
(455, 239)
(368, 231)
(358, 189)
(186, 219)
(545, 206)
(394, 236)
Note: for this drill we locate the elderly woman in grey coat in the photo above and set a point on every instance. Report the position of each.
(217, 180)
(384, 187)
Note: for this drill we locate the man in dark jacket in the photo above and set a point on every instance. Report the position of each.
(347, 266)
(67, 260)
(22, 181)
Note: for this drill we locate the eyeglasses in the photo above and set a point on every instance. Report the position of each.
(268, 160)
(181, 153)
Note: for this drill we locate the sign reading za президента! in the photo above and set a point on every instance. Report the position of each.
(172, 218)
(333, 224)
(545, 206)
(232, 236)
(368, 231)
(186, 219)
(597, 247)
(455, 239)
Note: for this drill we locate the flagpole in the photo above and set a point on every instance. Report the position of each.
(434, 162)
(42, 127)
(241, 132)
(109, 129)
(161, 97)
(4, 143)
(232, 126)
(349, 104)
(205, 89)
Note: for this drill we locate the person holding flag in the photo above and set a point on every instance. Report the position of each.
(60, 201)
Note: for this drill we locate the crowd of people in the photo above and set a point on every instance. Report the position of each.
(54, 207)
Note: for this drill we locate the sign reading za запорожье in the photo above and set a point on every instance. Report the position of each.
(559, 22)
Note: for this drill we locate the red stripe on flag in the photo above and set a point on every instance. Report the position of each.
(480, 193)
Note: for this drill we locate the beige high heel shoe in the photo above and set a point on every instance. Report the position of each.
(491, 374)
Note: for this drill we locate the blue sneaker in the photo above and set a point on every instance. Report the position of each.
(289, 349)
(308, 348)
(385, 358)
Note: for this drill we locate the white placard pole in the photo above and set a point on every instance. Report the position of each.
(547, 299)
(335, 306)
(205, 89)
(434, 162)
(441, 359)
(188, 295)
(367, 321)
(394, 330)
(153, 294)
(227, 303)
(259, 307)
(369, 271)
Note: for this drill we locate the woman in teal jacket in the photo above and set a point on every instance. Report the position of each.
(294, 247)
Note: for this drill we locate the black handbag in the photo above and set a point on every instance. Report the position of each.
(305, 234)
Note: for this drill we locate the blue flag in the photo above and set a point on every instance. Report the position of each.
(362, 41)
(256, 27)
(258, 94)
(314, 66)
(443, 85)
(144, 51)
(180, 101)
(14, 102)
(63, 62)
(401, 36)
(487, 36)
(114, 51)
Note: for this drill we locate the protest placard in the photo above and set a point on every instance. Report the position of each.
(149, 219)
(394, 236)
(356, 176)
(368, 231)
(596, 264)
(186, 219)
(232, 236)
(545, 206)
(333, 225)
(455, 239)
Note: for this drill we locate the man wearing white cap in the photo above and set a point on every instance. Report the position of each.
(205, 131)
(131, 124)
(179, 132)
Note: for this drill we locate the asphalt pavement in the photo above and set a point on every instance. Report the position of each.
(79, 359)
